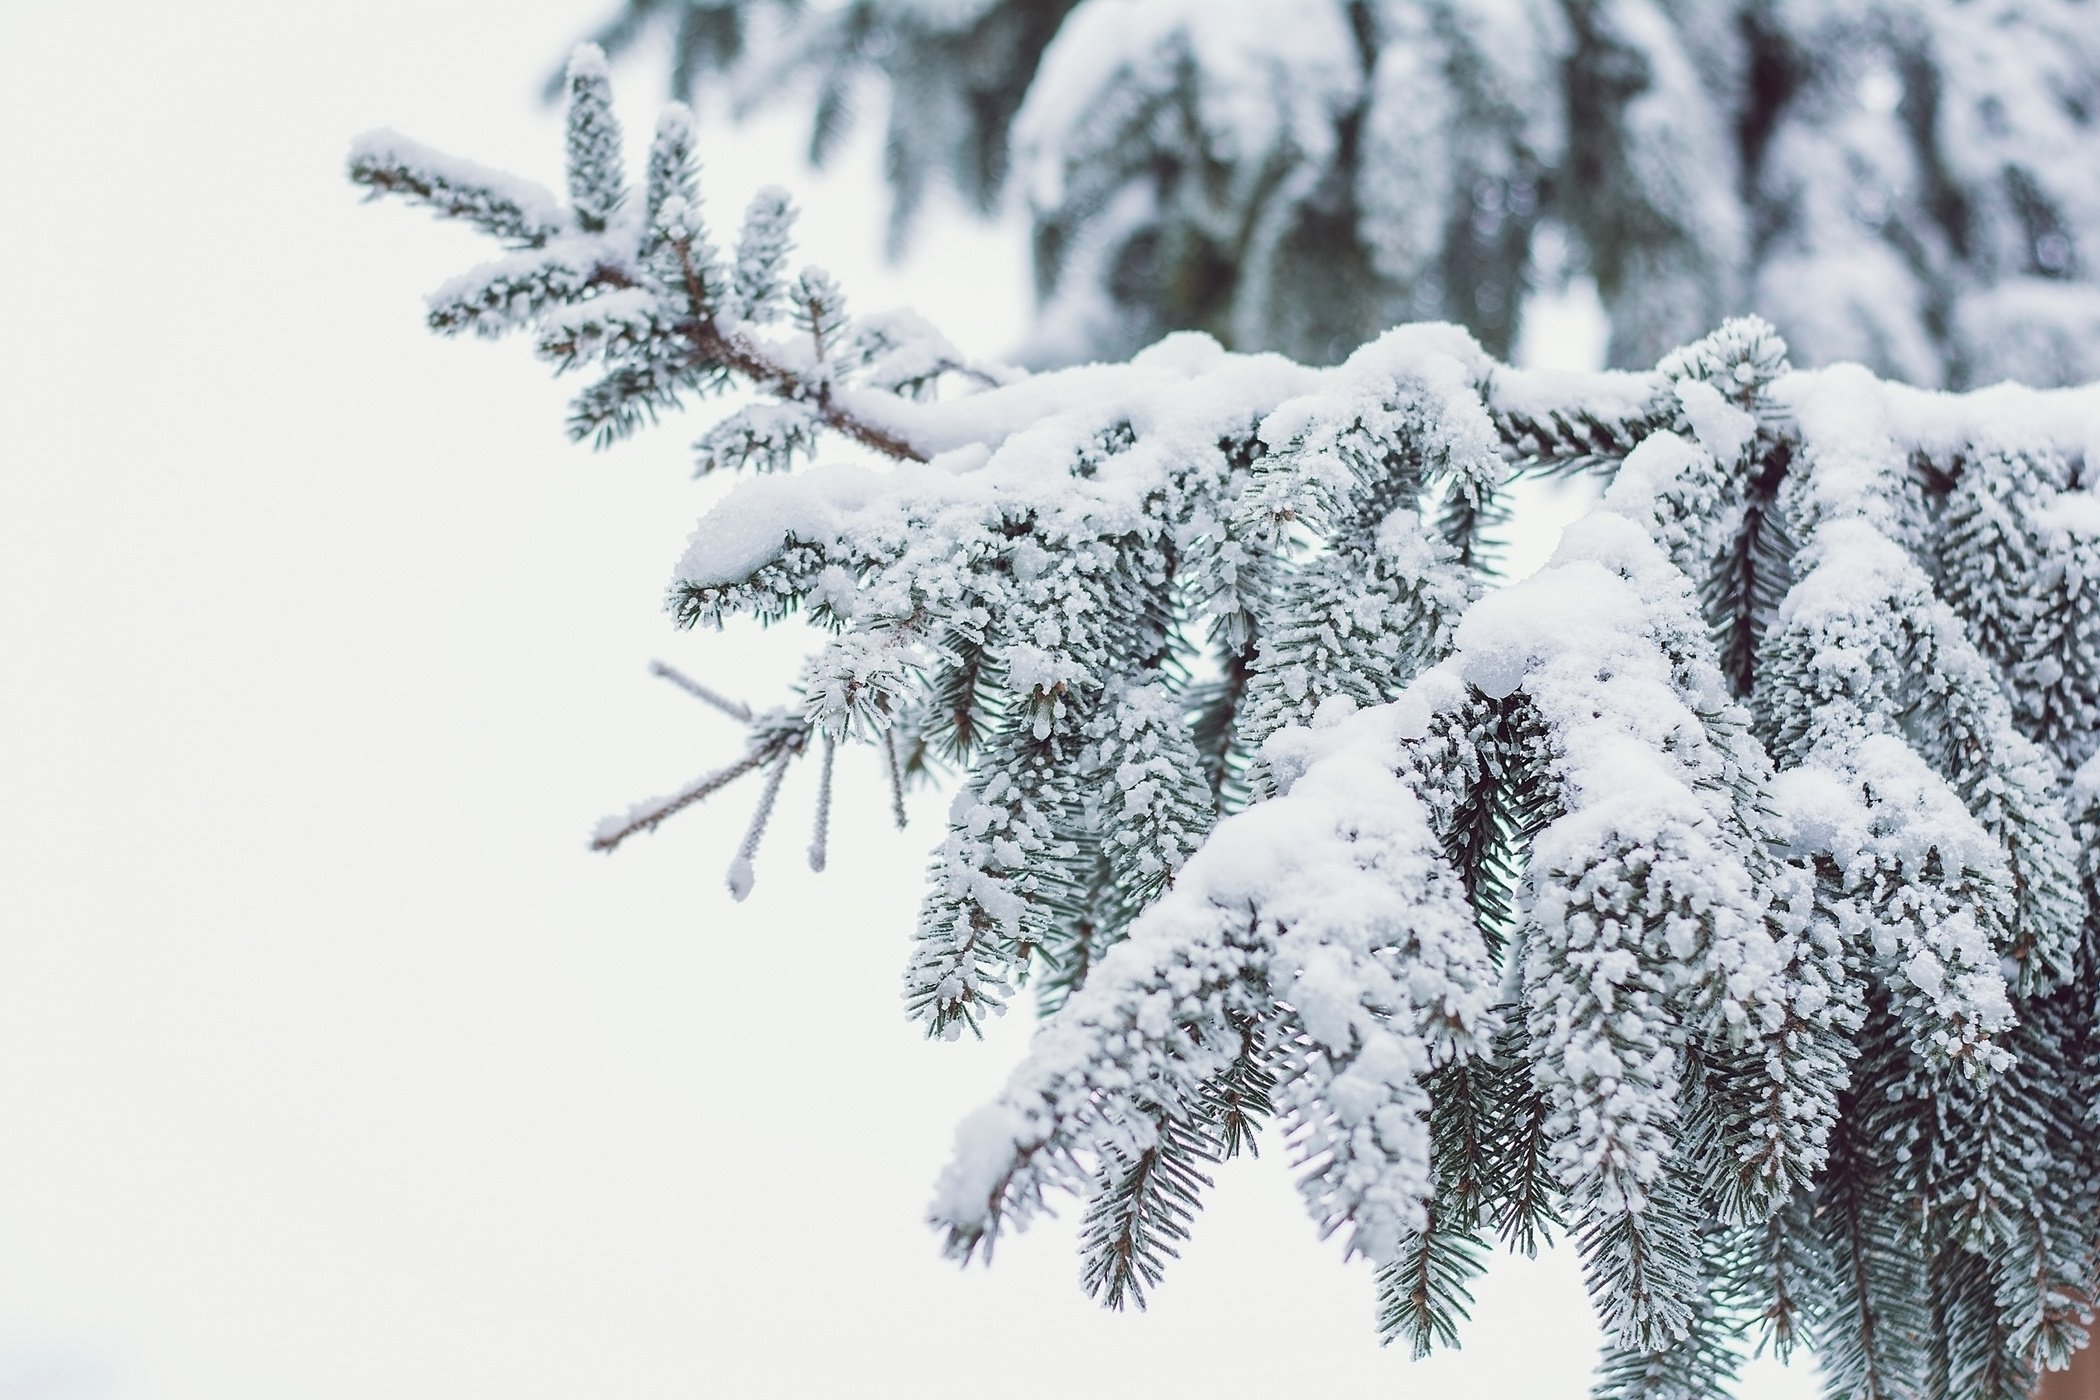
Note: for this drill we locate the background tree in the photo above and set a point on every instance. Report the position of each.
(1724, 896)
(1906, 183)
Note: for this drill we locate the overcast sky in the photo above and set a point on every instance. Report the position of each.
(331, 1063)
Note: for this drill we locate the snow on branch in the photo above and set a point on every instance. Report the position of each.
(1328, 916)
(1723, 895)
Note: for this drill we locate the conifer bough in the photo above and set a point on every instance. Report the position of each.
(1907, 183)
(1723, 898)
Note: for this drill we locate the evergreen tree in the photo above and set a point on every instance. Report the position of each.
(1906, 183)
(1725, 896)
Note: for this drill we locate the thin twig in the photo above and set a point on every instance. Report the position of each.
(737, 352)
(820, 838)
(736, 710)
(645, 817)
(896, 771)
(740, 868)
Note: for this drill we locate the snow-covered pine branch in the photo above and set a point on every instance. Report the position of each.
(1725, 896)
(1905, 183)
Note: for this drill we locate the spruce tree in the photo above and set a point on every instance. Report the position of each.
(1906, 183)
(1723, 898)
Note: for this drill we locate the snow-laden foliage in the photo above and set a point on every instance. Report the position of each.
(1906, 183)
(1724, 898)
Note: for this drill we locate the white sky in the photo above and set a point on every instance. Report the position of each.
(331, 1063)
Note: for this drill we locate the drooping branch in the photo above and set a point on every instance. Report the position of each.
(1561, 903)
